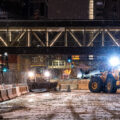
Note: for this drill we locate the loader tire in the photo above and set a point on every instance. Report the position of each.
(110, 86)
(95, 84)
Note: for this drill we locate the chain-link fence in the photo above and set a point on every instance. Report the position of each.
(13, 77)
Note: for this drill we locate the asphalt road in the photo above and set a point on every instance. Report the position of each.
(75, 105)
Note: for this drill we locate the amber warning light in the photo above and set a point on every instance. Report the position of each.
(75, 57)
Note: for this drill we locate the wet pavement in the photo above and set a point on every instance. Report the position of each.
(75, 105)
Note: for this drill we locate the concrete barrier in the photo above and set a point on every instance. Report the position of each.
(83, 84)
(1, 87)
(0, 97)
(4, 94)
(23, 89)
(18, 91)
(14, 92)
(8, 86)
(74, 84)
(10, 94)
(65, 87)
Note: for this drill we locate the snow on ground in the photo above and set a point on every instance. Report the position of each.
(75, 105)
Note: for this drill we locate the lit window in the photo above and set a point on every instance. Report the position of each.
(99, 3)
(55, 63)
(91, 10)
(61, 63)
(91, 57)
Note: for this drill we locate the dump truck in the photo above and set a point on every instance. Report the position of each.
(107, 81)
(39, 78)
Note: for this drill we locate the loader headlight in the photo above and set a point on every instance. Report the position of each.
(31, 74)
(47, 74)
(114, 61)
(79, 75)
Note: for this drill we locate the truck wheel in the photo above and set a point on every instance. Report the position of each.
(95, 85)
(110, 86)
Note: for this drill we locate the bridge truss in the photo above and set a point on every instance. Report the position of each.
(59, 36)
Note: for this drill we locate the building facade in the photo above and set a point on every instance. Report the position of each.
(68, 9)
(107, 9)
(44, 9)
(60, 9)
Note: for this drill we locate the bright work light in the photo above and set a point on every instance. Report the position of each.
(31, 74)
(79, 75)
(47, 74)
(114, 61)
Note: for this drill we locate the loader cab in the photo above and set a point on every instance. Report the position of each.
(36, 73)
(39, 78)
(38, 69)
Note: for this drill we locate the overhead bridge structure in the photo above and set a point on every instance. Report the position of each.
(59, 36)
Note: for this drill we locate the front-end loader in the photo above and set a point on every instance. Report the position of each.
(107, 81)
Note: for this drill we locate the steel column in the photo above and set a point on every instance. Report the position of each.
(103, 37)
(47, 38)
(66, 39)
(28, 39)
